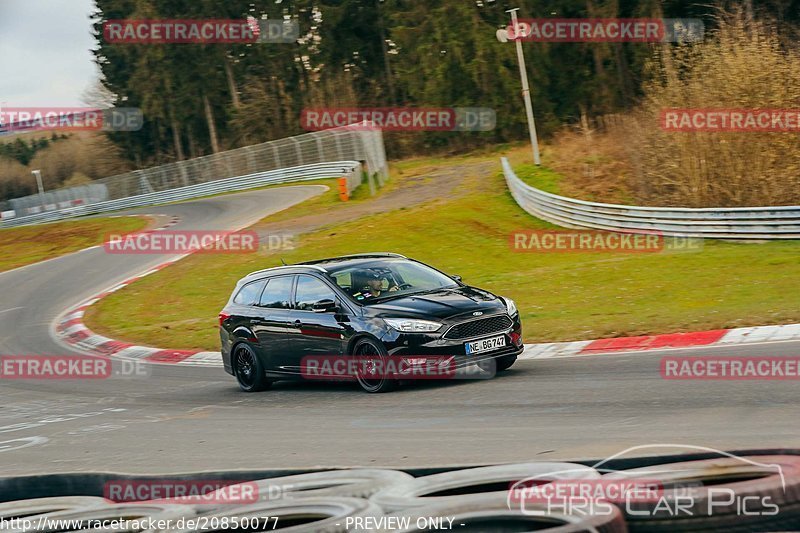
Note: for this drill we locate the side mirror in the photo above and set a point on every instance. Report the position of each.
(456, 277)
(324, 306)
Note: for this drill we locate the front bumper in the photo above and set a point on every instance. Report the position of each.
(433, 344)
(463, 361)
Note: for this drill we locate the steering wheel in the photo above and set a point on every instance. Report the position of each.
(404, 286)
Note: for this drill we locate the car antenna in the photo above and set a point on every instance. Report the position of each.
(282, 261)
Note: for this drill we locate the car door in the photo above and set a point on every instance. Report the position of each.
(243, 311)
(316, 333)
(270, 326)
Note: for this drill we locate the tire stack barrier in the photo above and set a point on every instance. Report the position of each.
(467, 499)
(351, 483)
(38, 506)
(84, 517)
(496, 480)
(304, 514)
(493, 515)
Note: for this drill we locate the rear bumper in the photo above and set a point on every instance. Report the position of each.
(226, 344)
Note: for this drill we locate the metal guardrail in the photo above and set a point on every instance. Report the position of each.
(348, 169)
(715, 223)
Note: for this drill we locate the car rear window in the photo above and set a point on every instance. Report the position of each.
(250, 293)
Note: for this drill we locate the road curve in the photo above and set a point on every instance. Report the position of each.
(188, 418)
(34, 295)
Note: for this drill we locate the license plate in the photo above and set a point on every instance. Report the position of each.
(485, 345)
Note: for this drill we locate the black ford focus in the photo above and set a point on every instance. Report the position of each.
(381, 306)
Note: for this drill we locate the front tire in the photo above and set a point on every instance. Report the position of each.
(367, 348)
(248, 369)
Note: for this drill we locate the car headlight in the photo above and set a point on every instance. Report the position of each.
(411, 325)
(511, 306)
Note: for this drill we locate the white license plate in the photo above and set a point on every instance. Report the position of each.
(485, 345)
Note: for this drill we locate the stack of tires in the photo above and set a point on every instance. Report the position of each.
(743, 493)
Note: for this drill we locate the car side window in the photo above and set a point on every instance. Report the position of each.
(250, 293)
(309, 291)
(278, 293)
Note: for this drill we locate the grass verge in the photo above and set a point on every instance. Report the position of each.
(562, 296)
(31, 244)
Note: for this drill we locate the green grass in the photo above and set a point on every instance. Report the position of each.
(562, 296)
(540, 177)
(31, 244)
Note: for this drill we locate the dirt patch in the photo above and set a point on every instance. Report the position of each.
(421, 186)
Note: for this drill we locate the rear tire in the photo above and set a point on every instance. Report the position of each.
(505, 362)
(369, 348)
(248, 369)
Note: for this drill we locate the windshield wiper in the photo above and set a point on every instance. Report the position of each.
(415, 293)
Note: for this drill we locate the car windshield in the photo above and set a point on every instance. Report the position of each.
(382, 279)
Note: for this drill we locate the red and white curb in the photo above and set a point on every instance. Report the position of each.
(70, 329)
(716, 337)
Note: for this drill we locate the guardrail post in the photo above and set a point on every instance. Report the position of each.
(320, 150)
(182, 171)
(298, 150)
(338, 145)
(370, 180)
(277, 155)
(252, 168)
(144, 185)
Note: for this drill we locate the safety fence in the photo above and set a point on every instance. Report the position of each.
(350, 170)
(360, 143)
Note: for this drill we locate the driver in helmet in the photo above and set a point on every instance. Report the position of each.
(373, 284)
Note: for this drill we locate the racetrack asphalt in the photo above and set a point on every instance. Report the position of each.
(180, 419)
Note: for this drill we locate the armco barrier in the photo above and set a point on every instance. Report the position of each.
(715, 223)
(60, 198)
(351, 170)
(358, 142)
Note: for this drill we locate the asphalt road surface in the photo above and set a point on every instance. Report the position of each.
(180, 419)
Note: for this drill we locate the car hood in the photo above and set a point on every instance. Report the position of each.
(442, 303)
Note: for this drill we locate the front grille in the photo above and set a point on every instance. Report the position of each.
(476, 328)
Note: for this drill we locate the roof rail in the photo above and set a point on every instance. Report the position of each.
(285, 266)
(354, 256)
